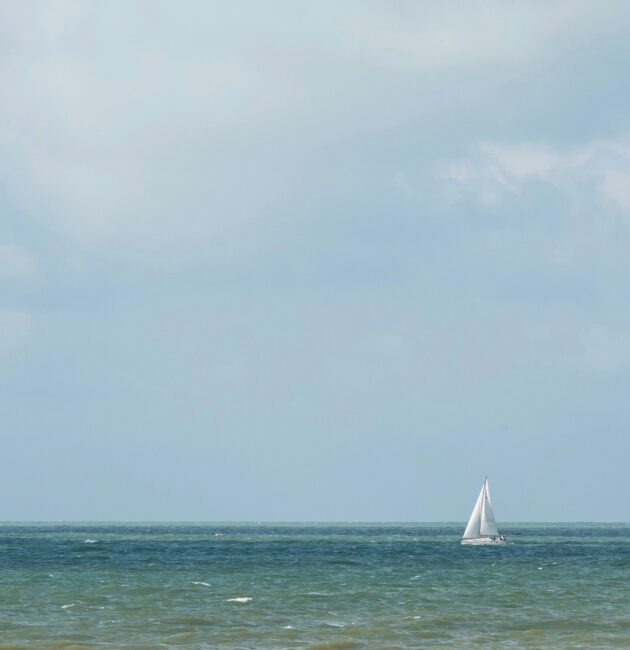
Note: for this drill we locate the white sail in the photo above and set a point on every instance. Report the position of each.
(474, 523)
(488, 492)
(488, 526)
(482, 522)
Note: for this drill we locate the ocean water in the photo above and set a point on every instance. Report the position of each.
(312, 586)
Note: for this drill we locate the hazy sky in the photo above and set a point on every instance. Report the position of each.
(314, 261)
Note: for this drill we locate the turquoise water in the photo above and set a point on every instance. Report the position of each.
(312, 586)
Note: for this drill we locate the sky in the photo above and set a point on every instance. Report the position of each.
(326, 261)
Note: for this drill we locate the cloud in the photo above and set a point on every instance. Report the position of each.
(615, 185)
(426, 36)
(495, 170)
(142, 125)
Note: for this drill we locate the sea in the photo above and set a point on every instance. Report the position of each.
(312, 585)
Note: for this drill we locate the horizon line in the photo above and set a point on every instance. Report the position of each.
(286, 522)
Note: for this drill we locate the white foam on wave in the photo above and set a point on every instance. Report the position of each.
(415, 577)
(90, 541)
(243, 599)
(203, 584)
(288, 627)
(70, 605)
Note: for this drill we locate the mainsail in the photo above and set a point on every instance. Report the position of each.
(482, 522)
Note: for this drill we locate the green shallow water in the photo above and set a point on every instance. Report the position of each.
(312, 586)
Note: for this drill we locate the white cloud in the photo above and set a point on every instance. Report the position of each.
(150, 125)
(616, 186)
(428, 36)
(495, 169)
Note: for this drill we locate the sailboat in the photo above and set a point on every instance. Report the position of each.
(482, 526)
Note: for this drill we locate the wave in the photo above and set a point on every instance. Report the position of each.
(244, 599)
(318, 593)
(203, 584)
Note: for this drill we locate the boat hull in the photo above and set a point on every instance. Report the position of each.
(483, 541)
